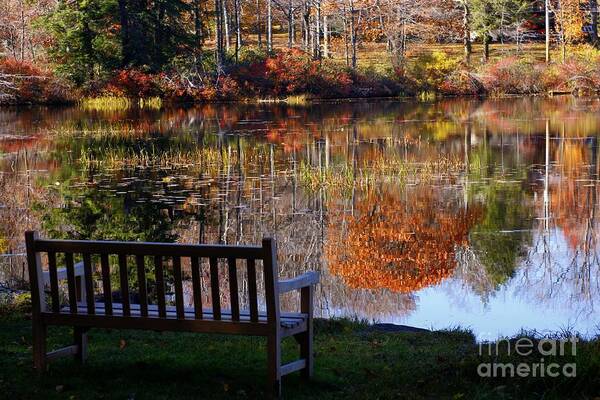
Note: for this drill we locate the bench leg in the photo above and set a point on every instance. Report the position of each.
(306, 338)
(274, 366)
(305, 341)
(81, 341)
(40, 331)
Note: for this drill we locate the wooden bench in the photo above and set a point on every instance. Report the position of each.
(86, 309)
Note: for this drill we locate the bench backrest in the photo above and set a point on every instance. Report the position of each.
(162, 256)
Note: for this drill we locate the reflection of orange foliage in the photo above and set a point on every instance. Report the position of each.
(400, 245)
(572, 198)
(14, 144)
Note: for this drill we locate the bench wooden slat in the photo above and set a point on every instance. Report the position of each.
(106, 289)
(197, 287)
(71, 283)
(123, 276)
(293, 366)
(288, 319)
(214, 287)
(147, 248)
(270, 277)
(53, 282)
(160, 285)
(178, 287)
(147, 323)
(89, 284)
(233, 289)
(252, 292)
(141, 275)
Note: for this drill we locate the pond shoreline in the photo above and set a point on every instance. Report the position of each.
(307, 100)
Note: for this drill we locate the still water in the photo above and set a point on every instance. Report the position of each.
(472, 213)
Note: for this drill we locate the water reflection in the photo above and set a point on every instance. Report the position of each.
(472, 213)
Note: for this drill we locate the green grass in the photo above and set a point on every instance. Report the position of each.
(351, 362)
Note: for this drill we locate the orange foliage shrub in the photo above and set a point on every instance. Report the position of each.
(512, 75)
(31, 84)
(398, 245)
(133, 83)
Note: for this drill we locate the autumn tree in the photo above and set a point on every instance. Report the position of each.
(569, 19)
(17, 34)
(497, 18)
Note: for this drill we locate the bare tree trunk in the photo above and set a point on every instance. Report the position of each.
(318, 50)
(269, 26)
(219, 40)
(238, 29)
(293, 28)
(290, 21)
(594, 9)
(226, 25)
(258, 25)
(547, 28)
(311, 34)
(352, 34)
(198, 24)
(346, 42)
(325, 37)
(467, 32)
(486, 47)
(22, 30)
(306, 26)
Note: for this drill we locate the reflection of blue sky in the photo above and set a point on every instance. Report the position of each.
(547, 297)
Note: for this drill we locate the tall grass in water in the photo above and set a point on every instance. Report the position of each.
(342, 178)
(114, 103)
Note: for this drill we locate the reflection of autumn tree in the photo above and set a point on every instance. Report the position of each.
(572, 199)
(401, 245)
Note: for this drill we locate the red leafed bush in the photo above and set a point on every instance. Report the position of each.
(574, 75)
(252, 79)
(462, 82)
(513, 75)
(333, 82)
(228, 88)
(22, 82)
(291, 72)
(133, 83)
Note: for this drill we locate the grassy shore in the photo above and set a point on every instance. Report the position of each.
(353, 360)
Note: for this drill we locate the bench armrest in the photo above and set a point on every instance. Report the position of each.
(302, 281)
(62, 273)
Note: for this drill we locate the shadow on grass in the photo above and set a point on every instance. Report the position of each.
(352, 361)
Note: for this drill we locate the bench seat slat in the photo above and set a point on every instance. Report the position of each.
(154, 324)
(288, 320)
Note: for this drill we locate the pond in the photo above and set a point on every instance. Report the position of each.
(472, 213)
